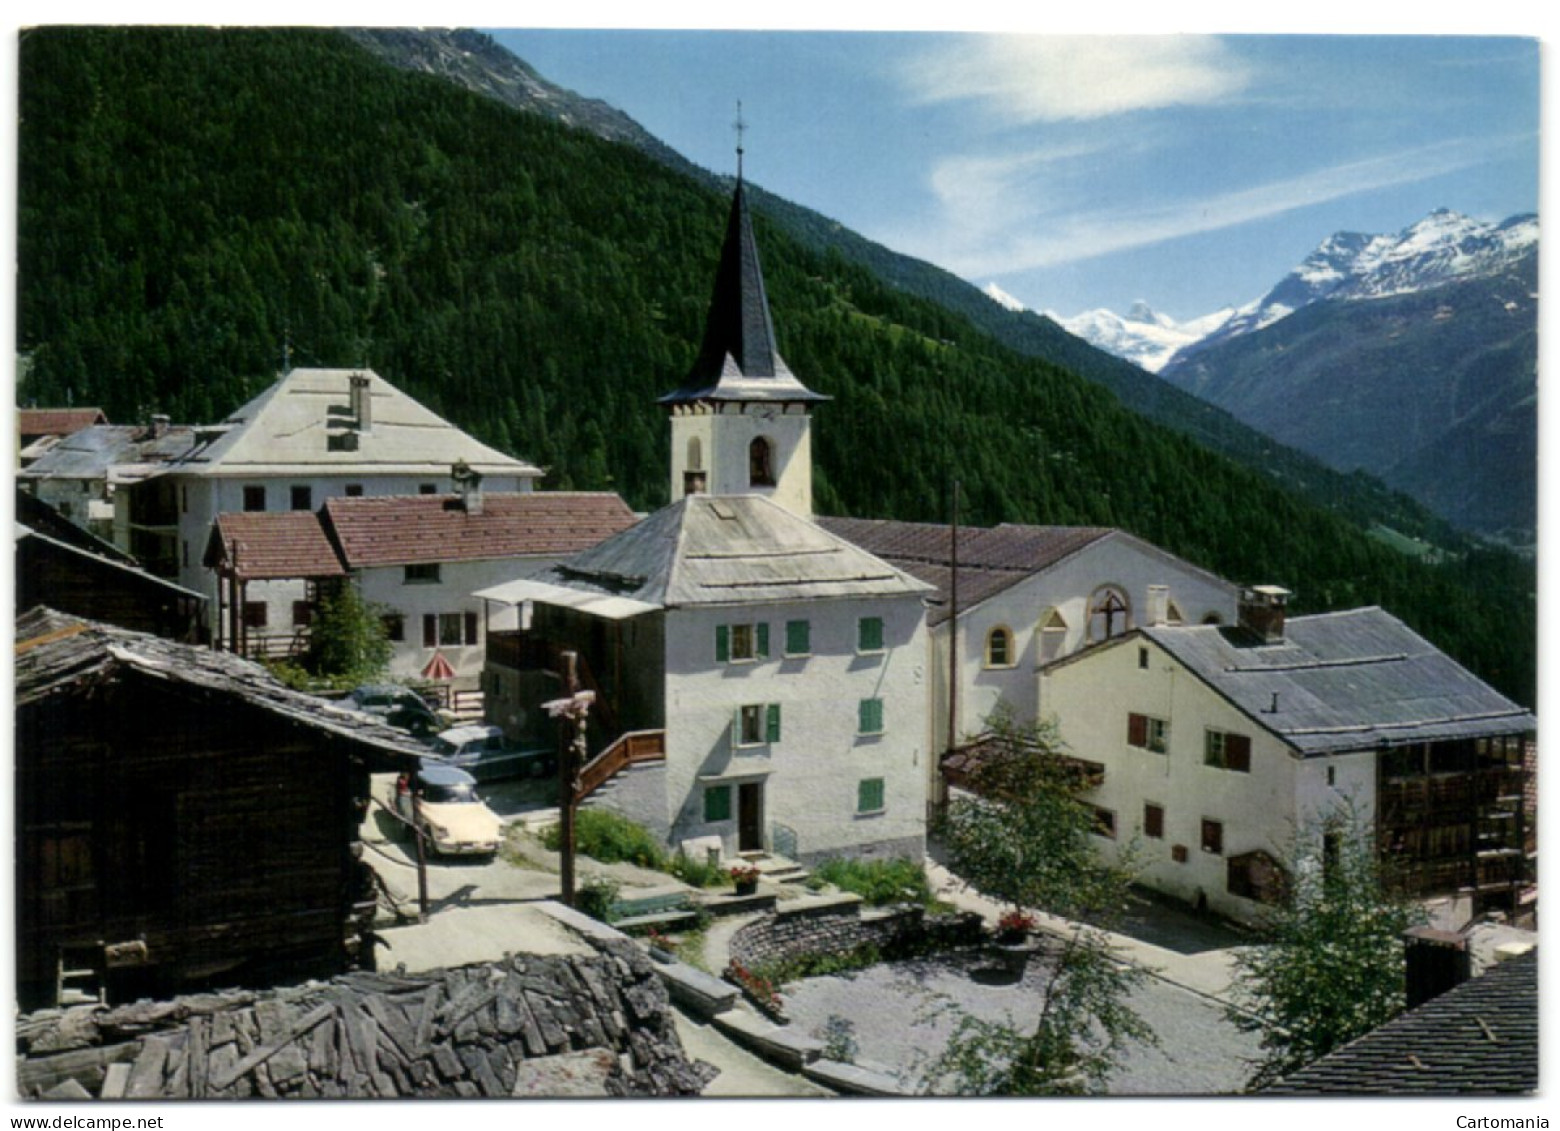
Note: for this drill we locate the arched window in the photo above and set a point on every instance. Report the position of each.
(761, 468)
(1213, 618)
(1109, 613)
(1053, 635)
(695, 454)
(999, 647)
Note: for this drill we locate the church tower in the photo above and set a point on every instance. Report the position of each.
(741, 422)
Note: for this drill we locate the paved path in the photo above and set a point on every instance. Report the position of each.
(1208, 972)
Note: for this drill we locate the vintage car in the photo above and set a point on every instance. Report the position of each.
(399, 706)
(442, 801)
(482, 752)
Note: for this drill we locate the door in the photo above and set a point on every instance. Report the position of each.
(750, 817)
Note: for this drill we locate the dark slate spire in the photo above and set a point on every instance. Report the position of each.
(738, 359)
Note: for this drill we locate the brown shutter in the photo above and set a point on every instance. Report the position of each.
(430, 630)
(471, 628)
(1237, 752)
(1153, 820)
(1137, 730)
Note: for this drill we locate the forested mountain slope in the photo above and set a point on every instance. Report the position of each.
(195, 205)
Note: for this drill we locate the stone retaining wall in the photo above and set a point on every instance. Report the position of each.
(838, 926)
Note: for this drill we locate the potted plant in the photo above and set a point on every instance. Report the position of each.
(1014, 926)
(744, 877)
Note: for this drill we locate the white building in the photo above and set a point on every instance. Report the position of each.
(416, 558)
(1221, 744)
(773, 674)
(1028, 596)
(315, 434)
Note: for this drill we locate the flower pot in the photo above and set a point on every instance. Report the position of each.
(746, 887)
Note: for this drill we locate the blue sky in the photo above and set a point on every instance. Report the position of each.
(1191, 171)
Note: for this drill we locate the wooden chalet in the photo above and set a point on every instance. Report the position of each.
(64, 567)
(181, 817)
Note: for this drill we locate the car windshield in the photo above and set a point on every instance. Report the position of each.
(459, 794)
(445, 746)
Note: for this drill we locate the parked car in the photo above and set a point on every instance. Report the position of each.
(399, 706)
(481, 751)
(443, 802)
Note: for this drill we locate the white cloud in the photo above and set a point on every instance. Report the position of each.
(994, 224)
(1031, 78)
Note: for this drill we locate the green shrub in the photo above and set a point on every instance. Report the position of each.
(697, 871)
(611, 838)
(596, 897)
(879, 882)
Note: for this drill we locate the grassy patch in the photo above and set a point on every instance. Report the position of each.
(879, 882)
(611, 839)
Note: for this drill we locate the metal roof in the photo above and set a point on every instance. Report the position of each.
(1478, 1038)
(61, 655)
(129, 451)
(1352, 680)
(303, 425)
(738, 359)
(721, 550)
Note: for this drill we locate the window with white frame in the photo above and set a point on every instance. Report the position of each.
(756, 724)
(741, 643)
(1148, 733)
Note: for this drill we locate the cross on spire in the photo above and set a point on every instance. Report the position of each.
(741, 127)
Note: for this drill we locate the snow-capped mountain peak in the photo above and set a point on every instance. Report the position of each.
(1144, 337)
(999, 296)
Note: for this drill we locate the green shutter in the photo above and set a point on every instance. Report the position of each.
(717, 803)
(798, 637)
(869, 795)
(763, 641)
(869, 637)
(722, 644)
(773, 722)
(869, 716)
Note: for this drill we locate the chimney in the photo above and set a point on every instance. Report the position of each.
(159, 426)
(468, 485)
(362, 403)
(1158, 605)
(1262, 612)
(1433, 962)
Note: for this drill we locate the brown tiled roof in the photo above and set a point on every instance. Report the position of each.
(273, 544)
(57, 421)
(407, 529)
(990, 559)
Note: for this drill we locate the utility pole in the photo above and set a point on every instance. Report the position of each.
(572, 712)
(953, 620)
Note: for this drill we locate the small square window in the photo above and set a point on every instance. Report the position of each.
(395, 627)
(743, 645)
(869, 796)
(1227, 751)
(302, 614)
(421, 573)
(254, 498)
(1213, 837)
(302, 498)
(717, 803)
(757, 723)
(869, 716)
(869, 634)
(256, 614)
(427, 488)
(1104, 823)
(1148, 733)
(354, 490)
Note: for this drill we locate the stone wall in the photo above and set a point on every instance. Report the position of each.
(836, 926)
